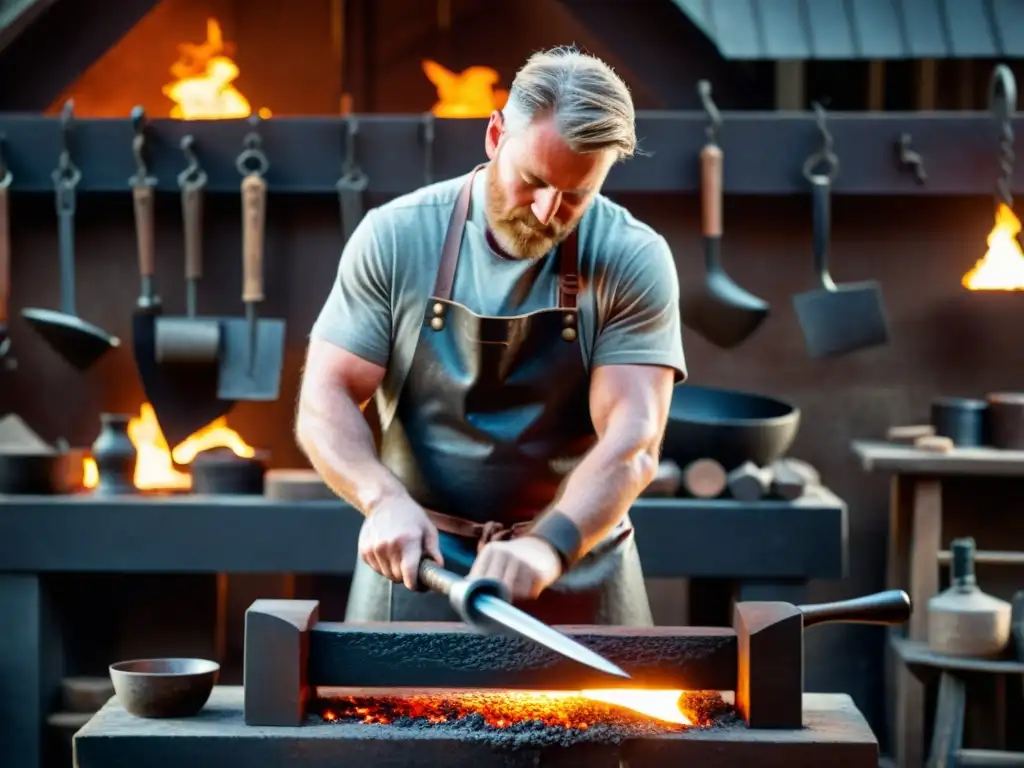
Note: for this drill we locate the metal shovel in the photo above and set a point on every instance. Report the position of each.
(252, 350)
(837, 319)
(77, 341)
(723, 312)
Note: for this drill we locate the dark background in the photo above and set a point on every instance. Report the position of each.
(945, 340)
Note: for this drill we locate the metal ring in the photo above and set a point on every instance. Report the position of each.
(826, 158)
(252, 161)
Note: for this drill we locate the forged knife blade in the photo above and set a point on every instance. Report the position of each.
(484, 604)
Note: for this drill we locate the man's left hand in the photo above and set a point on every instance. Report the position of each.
(527, 565)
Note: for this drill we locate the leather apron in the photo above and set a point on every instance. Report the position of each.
(493, 414)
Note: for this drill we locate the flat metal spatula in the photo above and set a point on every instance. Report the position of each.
(252, 349)
(837, 319)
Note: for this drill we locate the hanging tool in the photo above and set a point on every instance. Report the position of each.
(723, 312)
(1002, 97)
(252, 350)
(835, 319)
(8, 362)
(190, 339)
(80, 343)
(484, 604)
(143, 186)
(353, 182)
(428, 134)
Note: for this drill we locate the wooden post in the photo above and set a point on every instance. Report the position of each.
(790, 86)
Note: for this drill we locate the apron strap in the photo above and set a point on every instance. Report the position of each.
(568, 266)
(453, 240)
(568, 272)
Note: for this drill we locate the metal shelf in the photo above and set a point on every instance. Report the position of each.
(764, 152)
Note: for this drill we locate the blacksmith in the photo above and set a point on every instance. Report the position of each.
(521, 334)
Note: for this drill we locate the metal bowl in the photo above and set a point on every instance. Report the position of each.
(728, 426)
(164, 687)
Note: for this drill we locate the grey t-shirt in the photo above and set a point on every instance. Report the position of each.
(629, 291)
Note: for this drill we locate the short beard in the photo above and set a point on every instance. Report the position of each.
(516, 229)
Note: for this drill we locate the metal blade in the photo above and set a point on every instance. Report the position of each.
(524, 625)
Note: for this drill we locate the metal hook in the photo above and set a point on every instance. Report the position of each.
(66, 174)
(911, 159)
(141, 176)
(193, 176)
(350, 166)
(824, 157)
(1002, 93)
(253, 160)
(5, 170)
(429, 135)
(714, 116)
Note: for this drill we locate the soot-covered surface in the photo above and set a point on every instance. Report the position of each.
(518, 720)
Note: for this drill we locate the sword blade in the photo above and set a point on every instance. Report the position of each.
(525, 625)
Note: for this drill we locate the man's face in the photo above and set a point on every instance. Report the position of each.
(537, 187)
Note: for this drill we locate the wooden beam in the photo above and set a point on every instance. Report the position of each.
(49, 54)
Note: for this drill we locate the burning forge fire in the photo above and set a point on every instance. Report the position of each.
(1002, 267)
(470, 93)
(578, 710)
(204, 73)
(155, 470)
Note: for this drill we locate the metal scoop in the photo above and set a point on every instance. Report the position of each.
(77, 341)
(723, 312)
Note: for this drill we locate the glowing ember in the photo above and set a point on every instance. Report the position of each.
(203, 87)
(154, 468)
(579, 710)
(470, 93)
(1002, 267)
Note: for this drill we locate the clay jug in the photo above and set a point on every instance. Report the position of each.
(115, 456)
(963, 620)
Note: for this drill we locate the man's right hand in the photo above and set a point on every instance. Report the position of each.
(395, 537)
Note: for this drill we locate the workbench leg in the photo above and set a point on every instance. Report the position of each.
(926, 538)
(948, 733)
(31, 667)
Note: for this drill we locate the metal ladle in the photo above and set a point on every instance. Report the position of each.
(723, 313)
(79, 342)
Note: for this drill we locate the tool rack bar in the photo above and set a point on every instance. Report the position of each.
(765, 153)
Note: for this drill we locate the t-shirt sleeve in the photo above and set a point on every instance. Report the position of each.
(640, 323)
(357, 315)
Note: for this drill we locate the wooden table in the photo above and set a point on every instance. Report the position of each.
(915, 552)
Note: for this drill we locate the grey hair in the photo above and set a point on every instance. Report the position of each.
(591, 105)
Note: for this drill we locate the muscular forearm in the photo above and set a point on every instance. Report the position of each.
(603, 486)
(335, 437)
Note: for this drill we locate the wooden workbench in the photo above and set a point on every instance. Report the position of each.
(916, 554)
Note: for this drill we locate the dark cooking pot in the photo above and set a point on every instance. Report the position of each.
(728, 426)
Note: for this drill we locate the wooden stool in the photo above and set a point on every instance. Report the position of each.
(954, 673)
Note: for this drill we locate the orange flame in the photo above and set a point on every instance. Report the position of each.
(1002, 266)
(204, 73)
(502, 709)
(470, 93)
(154, 468)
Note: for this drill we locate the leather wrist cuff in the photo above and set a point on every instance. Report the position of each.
(562, 534)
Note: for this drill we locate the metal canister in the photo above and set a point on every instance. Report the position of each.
(963, 420)
(1006, 420)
